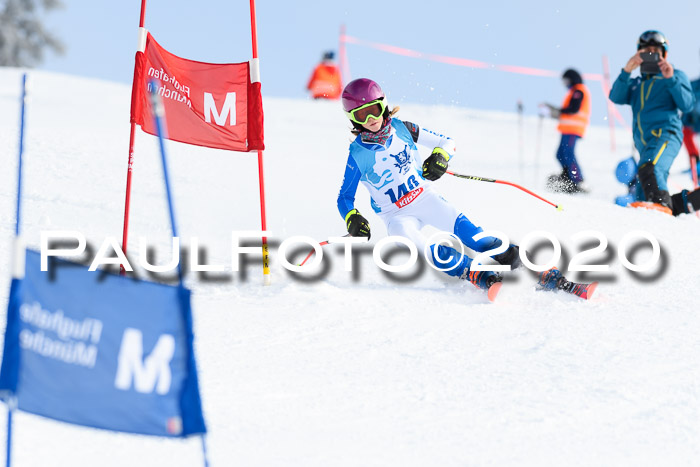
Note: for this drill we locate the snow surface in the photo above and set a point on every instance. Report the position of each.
(364, 369)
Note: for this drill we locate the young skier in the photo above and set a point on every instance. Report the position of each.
(384, 157)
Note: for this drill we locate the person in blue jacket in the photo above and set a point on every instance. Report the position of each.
(384, 157)
(656, 98)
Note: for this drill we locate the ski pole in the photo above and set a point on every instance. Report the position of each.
(521, 137)
(313, 250)
(503, 182)
(538, 143)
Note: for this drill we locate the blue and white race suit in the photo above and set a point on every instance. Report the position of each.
(403, 199)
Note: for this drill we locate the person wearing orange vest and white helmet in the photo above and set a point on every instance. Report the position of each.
(574, 116)
(325, 82)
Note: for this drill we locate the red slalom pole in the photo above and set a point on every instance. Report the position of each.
(343, 57)
(265, 253)
(503, 182)
(689, 141)
(605, 83)
(130, 167)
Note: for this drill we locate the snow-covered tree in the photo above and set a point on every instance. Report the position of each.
(23, 38)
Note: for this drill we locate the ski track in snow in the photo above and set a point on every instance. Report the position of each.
(373, 371)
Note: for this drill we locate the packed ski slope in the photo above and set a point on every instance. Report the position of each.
(365, 368)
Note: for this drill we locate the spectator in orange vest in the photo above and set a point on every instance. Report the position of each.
(574, 116)
(325, 82)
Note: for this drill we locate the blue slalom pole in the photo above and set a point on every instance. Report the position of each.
(204, 451)
(159, 115)
(23, 101)
(10, 409)
(9, 436)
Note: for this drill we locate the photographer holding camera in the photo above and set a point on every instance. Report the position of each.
(656, 97)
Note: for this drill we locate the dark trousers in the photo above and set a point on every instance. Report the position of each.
(567, 158)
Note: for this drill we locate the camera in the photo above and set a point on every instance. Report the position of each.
(650, 63)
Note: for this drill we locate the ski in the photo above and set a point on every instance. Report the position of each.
(493, 291)
(553, 280)
(652, 207)
(485, 280)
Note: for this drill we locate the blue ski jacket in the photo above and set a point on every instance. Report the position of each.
(655, 104)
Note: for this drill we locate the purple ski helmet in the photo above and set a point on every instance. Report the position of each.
(360, 91)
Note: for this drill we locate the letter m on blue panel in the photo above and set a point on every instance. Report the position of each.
(101, 350)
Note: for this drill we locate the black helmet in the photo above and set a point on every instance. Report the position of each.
(328, 55)
(572, 77)
(649, 38)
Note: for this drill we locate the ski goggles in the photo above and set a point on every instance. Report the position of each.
(652, 38)
(362, 114)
